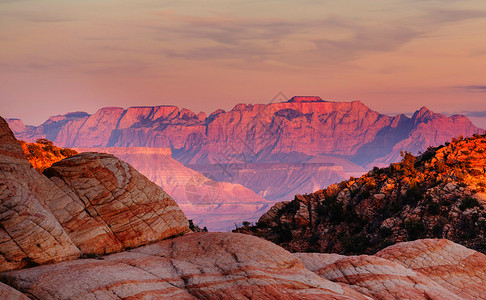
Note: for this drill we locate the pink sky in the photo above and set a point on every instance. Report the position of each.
(395, 56)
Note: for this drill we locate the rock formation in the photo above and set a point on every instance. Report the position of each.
(94, 202)
(305, 133)
(9, 293)
(375, 277)
(29, 232)
(112, 206)
(456, 268)
(440, 194)
(197, 266)
(234, 266)
(104, 205)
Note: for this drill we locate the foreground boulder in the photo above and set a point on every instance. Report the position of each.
(94, 204)
(112, 206)
(236, 266)
(375, 277)
(195, 266)
(29, 232)
(457, 268)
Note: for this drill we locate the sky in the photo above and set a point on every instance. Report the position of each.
(395, 56)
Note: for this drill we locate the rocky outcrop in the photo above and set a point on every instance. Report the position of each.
(456, 268)
(112, 206)
(196, 266)
(422, 269)
(95, 202)
(29, 232)
(439, 194)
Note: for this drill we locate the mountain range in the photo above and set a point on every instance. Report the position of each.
(277, 150)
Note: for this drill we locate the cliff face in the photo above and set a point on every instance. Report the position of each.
(320, 142)
(255, 132)
(441, 194)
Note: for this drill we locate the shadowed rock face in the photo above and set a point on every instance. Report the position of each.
(113, 206)
(29, 232)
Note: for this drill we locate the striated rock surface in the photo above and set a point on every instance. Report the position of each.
(195, 266)
(209, 203)
(9, 293)
(111, 206)
(29, 232)
(456, 268)
(375, 277)
(440, 194)
(278, 181)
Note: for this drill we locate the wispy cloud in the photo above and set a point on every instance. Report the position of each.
(234, 30)
(475, 114)
(444, 16)
(36, 17)
(366, 40)
(473, 88)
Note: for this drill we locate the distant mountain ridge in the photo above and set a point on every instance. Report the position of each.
(346, 129)
(227, 144)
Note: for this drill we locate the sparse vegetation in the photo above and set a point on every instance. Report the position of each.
(43, 153)
(432, 192)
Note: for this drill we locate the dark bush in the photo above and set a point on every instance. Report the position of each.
(415, 229)
(385, 231)
(433, 208)
(469, 202)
